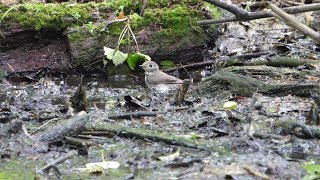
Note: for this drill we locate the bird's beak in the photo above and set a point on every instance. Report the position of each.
(140, 65)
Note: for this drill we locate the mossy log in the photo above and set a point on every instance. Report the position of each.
(68, 127)
(299, 129)
(70, 35)
(241, 81)
(154, 135)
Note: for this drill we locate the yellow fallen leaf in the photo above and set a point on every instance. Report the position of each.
(170, 157)
(100, 166)
(230, 105)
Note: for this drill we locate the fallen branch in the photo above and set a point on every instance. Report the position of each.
(158, 136)
(208, 63)
(237, 80)
(58, 161)
(136, 114)
(293, 22)
(266, 136)
(68, 127)
(254, 15)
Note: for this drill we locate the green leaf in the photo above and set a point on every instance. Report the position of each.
(116, 56)
(119, 57)
(105, 61)
(134, 59)
(108, 52)
(146, 57)
(170, 157)
(230, 105)
(167, 64)
(312, 170)
(100, 166)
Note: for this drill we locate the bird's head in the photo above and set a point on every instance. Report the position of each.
(150, 66)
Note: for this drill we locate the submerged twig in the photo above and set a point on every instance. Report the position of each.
(136, 114)
(58, 161)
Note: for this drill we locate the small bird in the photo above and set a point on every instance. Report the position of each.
(158, 80)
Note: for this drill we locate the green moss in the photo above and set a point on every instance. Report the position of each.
(40, 16)
(76, 36)
(175, 17)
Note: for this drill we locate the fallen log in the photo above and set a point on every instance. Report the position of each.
(69, 127)
(241, 81)
(299, 129)
(154, 135)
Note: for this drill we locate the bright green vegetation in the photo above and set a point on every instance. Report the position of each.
(169, 24)
(173, 16)
(41, 16)
(312, 170)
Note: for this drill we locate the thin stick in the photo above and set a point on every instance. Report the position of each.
(123, 32)
(11, 68)
(259, 14)
(58, 161)
(134, 38)
(293, 22)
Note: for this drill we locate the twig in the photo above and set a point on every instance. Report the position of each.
(58, 161)
(46, 123)
(25, 131)
(255, 172)
(11, 68)
(182, 91)
(111, 22)
(265, 136)
(137, 114)
(257, 15)
(293, 22)
(208, 63)
(143, 8)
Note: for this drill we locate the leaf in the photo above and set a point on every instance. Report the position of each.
(121, 15)
(170, 157)
(167, 64)
(116, 56)
(195, 136)
(119, 57)
(134, 59)
(105, 61)
(146, 57)
(108, 52)
(230, 105)
(312, 170)
(100, 166)
(312, 78)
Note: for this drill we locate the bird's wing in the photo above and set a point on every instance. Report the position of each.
(163, 78)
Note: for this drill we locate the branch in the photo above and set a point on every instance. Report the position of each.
(58, 161)
(256, 15)
(293, 22)
(239, 12)
(136, 114)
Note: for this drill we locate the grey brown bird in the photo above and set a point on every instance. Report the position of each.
(158, 80)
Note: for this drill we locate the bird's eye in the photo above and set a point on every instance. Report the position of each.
(150, 65)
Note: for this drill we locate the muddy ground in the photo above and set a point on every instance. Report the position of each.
(263, 137)
(198, 140)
